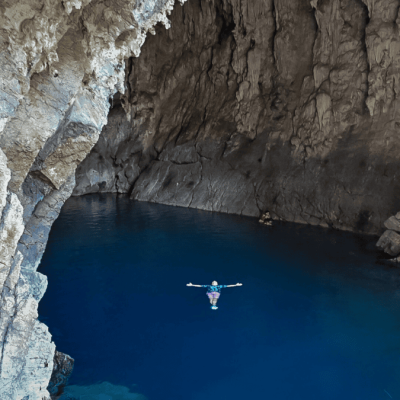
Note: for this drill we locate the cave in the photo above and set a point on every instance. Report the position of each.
(280, 111)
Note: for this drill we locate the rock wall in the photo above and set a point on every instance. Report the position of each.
(280, 106)
(286, 106)
(60, 63)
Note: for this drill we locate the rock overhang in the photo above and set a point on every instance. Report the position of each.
(61, 62)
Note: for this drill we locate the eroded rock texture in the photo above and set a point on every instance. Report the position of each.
(63, 366)
(60, 63)
(389, 241)
(249, 107)
(286, 106)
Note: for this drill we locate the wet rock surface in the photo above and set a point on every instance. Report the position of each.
(286, 107)
(63, 366)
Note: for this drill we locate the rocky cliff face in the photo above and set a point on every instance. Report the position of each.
(246, 107)
(60, 62)
(280, 106)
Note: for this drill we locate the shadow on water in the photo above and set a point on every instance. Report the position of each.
(316, 317)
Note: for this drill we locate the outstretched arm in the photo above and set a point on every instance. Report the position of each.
(238, 284)
(191, 284)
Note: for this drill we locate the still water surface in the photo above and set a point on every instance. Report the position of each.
(316, 318)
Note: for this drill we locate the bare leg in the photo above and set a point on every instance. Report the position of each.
(214, 302)
(211, 299)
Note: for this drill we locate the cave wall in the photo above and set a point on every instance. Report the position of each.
(246, 107)
(286, 106)
(61, 62)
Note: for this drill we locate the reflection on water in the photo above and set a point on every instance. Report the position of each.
(316, 318)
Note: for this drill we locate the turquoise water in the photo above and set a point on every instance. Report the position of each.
(316, 318)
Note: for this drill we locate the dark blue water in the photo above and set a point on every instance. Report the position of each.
(316, 318)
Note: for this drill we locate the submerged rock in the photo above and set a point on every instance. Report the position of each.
(62, 370)
(100, 391)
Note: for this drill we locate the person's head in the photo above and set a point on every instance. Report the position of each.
(214, 283)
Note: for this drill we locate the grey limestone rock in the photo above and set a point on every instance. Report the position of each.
(393, 223)
(280, 106)
(286, 108)
(60, 63)
(390, 242)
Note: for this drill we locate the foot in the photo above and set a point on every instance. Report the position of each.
(214, 307)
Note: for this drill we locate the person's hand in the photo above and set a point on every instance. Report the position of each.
(189, 284)
(239, 284)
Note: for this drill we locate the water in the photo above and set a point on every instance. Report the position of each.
(316, 318)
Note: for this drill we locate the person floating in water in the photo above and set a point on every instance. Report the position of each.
(214, 291)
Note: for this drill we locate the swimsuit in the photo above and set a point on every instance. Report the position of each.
(214, 291)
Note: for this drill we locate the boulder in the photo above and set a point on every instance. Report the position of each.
(393, 223)
(389, 242)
